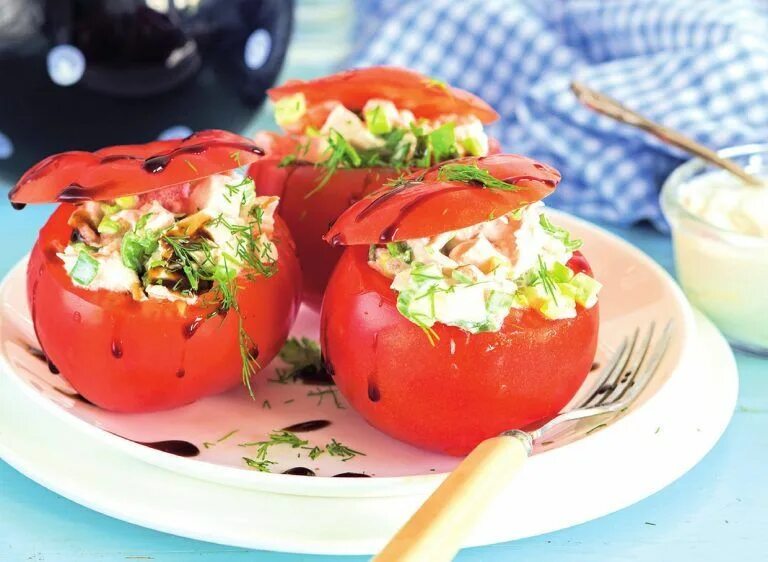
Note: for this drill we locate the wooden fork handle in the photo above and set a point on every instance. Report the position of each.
(436, 531)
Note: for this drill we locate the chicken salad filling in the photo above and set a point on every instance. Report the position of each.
(173, 248)
(471, 278)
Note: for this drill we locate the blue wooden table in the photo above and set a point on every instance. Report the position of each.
(717, 512)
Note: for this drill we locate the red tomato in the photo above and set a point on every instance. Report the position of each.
(467, 387)
(132, 356)
(427, 206)
(310, 218)
(424, 96)
(118, 171)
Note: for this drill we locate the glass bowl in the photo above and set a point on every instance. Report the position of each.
(723, 273)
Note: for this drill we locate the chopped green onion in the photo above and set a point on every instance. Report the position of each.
(108, 226)
(290, 109)
(377, 122)
(85, 269)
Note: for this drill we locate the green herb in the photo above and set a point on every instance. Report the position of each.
(266, 405)
(299, 353)
(314, 452)
(260, 465)
(559, 233)
(136, 248)
(321, 393)
(340, 154)
(226, 436)
(275, 438)
(377, 122)
(546, 280)
(471, 173)
(85, 269)
(336, 449)
(287, 160)
(443, 143)
(401, 251)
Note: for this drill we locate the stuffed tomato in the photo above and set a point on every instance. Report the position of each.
(162, 277)
(458, 309)
(346, 135)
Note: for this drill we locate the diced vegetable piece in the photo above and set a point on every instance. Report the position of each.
(128, 202)
(472, 146)
(85, 269)
(108, 226)
(290, 109)
(377, 121)
(586, 288)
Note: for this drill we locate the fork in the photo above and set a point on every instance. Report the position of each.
(435, 532)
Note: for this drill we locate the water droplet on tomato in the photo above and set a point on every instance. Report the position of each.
(117, 349)
(76, 316)
(190, 329)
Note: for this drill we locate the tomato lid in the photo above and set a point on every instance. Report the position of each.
(119, 171)
(448, 196)
(407, 89)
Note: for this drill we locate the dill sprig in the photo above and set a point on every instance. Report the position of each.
(275, 438)
(336, 449)
(321, 393)
(340, 154)
(260, 465)
(546, 280)
(471, 173)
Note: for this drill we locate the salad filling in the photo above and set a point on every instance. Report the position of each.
(471, 278)
(380, 134)
(173, 248)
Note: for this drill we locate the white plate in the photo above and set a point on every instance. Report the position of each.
(636, 292)
(614, 468)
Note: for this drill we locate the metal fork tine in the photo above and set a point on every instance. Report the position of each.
(604, 398)
(607, 387)
(604, 373)
(653, 364)
(635, 369)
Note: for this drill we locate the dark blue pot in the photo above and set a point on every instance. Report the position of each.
(82, 74)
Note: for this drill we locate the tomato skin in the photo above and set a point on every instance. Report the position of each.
(310, 218)
(130, 356)
(117, 171)
(466, 388)
(427, 205)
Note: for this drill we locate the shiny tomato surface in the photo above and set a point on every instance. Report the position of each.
(426, 205)
(309, 218)
(131, 356)
(117, 171)
(466, 387)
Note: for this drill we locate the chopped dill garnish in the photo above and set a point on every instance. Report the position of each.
(260, 465)
(471, 173)
(321, 393)
(314, 452)
(340, 154)
(266, 405)
(546, 280)
(336, 449)
(226, 436)
(275, 438)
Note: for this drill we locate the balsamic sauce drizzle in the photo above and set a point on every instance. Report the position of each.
(311, 425)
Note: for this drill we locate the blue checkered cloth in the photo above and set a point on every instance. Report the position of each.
(699, 66)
